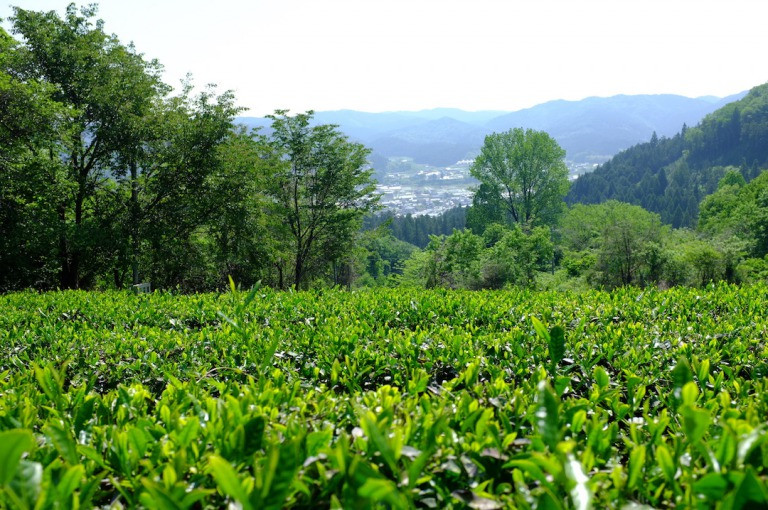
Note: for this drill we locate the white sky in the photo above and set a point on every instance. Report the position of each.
(382, 55)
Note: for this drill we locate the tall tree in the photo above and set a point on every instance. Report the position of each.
(522, 172)
(103, 87)
(27, 180)
(624, 238)
(321, 187)
(180, 186)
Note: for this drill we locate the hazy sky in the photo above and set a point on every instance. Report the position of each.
(385, 55)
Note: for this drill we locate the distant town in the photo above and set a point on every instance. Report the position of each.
(407, 187)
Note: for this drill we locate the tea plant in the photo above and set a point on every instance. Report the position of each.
(385, 399)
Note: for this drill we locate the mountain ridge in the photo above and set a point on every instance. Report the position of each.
(590, 130)
(670, 176)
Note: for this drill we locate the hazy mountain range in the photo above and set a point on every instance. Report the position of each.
(590, 130)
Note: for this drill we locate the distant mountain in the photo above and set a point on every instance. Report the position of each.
(670, 176)
(439, 142)
(602, 126)
(478, 117)
(592, 129)
(366, 127)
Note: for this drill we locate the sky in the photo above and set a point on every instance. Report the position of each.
(388, 55)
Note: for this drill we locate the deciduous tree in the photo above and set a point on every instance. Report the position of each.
(320, 186)
(521, 172)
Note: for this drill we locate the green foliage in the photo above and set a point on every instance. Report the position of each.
(738, 211)
(108, 179)
(502, 257)
(384, 399)
(319, 187)
(522, 177)
(416, 230)
(624, 240)
(671, 176)
(385, 257)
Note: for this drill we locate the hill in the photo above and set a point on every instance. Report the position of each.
(670, 176)
(590, 130)
(598, 126)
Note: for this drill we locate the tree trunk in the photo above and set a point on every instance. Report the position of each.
(72, 264)
(299, 271)
(134, 223)
(280, 283)
(66, 279)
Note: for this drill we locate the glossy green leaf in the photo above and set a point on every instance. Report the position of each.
(695, 423)
(13, 444)
(548, 416)
(228, 480)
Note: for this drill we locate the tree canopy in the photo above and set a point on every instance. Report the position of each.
(523, 178)
(321, 185)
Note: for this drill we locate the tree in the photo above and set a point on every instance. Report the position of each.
(625, 240)
(27, 220)
(187, 178)
(104, 171)
(523, 173)
(320, 187)
(738, 211)
(629, 235)
(103, 87)
(516, 257)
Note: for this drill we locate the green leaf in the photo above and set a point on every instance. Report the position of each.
(379, 490)
(636, 466)
(581, 495)
(681, 375)
(556, 344)
(548, 501)
(579, 418)
(64, 442)
(188, 432)
(84, 413)
(695, 423)
(318, 440)
(529, 468)
(70, 481)
(380, 441)
(712, 485)
(254, 433)
(601, 377)
(13, 444)
(157, 496)
(49, 382)
(541, 330)
(690, 393)
(547, 416)
(228, 480)
(667, 465)
(283, 463)
(750, 492)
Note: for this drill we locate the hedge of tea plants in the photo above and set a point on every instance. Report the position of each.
(385, 399)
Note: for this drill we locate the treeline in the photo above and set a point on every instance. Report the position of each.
(670, 176)
(417, 230)
(108, 179)
(604, 245)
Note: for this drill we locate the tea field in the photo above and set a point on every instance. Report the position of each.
(385, 399)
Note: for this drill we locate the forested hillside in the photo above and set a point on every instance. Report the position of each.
(417, 230)
(670, 176)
